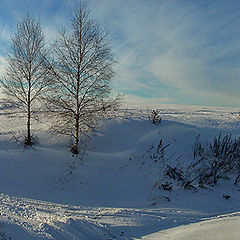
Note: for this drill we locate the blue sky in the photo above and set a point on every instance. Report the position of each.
(168, 51)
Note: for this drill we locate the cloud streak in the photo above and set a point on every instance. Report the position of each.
(186, 48)
(184, 52)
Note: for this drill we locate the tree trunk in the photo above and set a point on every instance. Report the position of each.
(75, 146)
(28, 140)
(75, 149)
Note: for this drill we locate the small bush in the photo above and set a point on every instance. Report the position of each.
(216, 160)
(156, 153)
(74, 149)
(22, 140)
(32, 141)
(212, 161)
(155, 118)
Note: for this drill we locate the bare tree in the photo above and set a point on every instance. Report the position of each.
(26, 77)
(82, 70)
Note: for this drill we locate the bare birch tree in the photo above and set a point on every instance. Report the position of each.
(26, 77)
(82, 70)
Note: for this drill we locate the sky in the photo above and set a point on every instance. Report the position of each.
(168, 51)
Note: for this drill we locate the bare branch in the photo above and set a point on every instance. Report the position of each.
(26, 75)
(83, 69)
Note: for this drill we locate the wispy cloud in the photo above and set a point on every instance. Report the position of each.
(188, 49)
(5, 34)
(185, 52)
(2, 65)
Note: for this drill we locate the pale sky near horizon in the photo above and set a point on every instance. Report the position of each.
(168, 51)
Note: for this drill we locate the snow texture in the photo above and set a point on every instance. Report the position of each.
(110, 193)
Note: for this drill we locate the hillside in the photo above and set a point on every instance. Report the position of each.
(110, 191)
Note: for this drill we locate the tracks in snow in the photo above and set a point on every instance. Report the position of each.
(48, 220)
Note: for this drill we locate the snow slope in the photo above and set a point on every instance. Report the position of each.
(46, 193)
(218, 228)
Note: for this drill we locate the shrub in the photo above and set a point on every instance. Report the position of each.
(217, 159)
(155, 118)
(212, 161)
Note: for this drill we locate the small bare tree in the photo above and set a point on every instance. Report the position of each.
(82, 69)
(26, 77)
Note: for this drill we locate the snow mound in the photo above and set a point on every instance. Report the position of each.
(219, 228)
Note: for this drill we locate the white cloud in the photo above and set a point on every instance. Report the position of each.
(180, 46)
(5, 33)
(2, 65)
(166, 50)
(50, 33)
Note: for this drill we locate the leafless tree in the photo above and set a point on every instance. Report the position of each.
(82, 69)
(26, 77)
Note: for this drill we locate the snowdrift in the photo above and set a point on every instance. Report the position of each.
(110, 192)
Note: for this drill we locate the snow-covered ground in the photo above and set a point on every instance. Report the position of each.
(218, 228)
(46, 193)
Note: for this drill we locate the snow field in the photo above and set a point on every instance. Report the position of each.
(46, 193)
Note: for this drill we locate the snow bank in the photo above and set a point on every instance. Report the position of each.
(221, 228)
